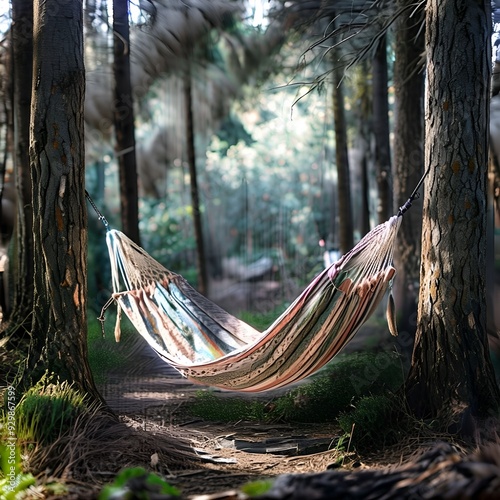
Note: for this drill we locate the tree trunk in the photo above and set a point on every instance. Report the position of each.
(381, 131)
(345, 224)
(451, 373)
(365, 196)
(408, 160)
(59, 330)
(21, 255)
(124, 122)
(364, 120)
(195, 194)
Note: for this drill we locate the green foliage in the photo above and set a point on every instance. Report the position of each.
(340, 385)
(370, 422)
(342, 448)
(264, 190)
(13, 482)
(166, 234)
(47, 410)
(210, 406)
(260, 321)
(232, 131)
(14, 489)
(58, 490)
(256, 488)
(137, 484)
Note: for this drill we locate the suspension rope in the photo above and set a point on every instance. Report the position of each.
(100, 216)
(404, 208)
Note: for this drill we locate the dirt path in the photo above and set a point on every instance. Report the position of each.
(150, 394)
(154, 395)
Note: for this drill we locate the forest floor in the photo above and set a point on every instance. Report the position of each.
(153, 397)
(157, 399)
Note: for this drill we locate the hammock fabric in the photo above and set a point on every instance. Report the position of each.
(211, 347)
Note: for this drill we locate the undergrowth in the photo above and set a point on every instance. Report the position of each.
(373, 421)
(214, 407)
(335, 389)
(44, 413)
(47, 410)
(358, 392)
(137, 482)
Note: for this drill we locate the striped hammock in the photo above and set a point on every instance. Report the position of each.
(211, 347)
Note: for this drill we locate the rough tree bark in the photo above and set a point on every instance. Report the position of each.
(451, 374)
(59, 331)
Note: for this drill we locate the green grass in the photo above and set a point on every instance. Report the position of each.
(47, 410)
(211, 406)
(136, 482)
(104, 353)
(337, 388)
(257, 488)
(372, 421)
(335, 391)
(260, 321)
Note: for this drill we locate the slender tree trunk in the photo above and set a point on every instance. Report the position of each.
(451, 376)
(90, 14)
(124, 122)
(365, 130)
(195, 194)
(7, 190)
(408, 159)
(21, 255)
(59, 330)
(365, 196)
(381, 131)
(346, 227)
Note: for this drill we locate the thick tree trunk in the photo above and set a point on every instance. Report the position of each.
(381, 131)
(451, 372)
(59, 331)
(124, 122)
(345, 223)
(408, 160)
(195, 194)
(21, 256)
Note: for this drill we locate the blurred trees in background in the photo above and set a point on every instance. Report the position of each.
(124, 122)
(20, 294)
(264, 131)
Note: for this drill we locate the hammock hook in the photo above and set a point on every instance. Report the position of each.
(100, 216)
(404, 208)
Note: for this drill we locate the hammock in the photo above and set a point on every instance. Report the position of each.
(211, 347)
